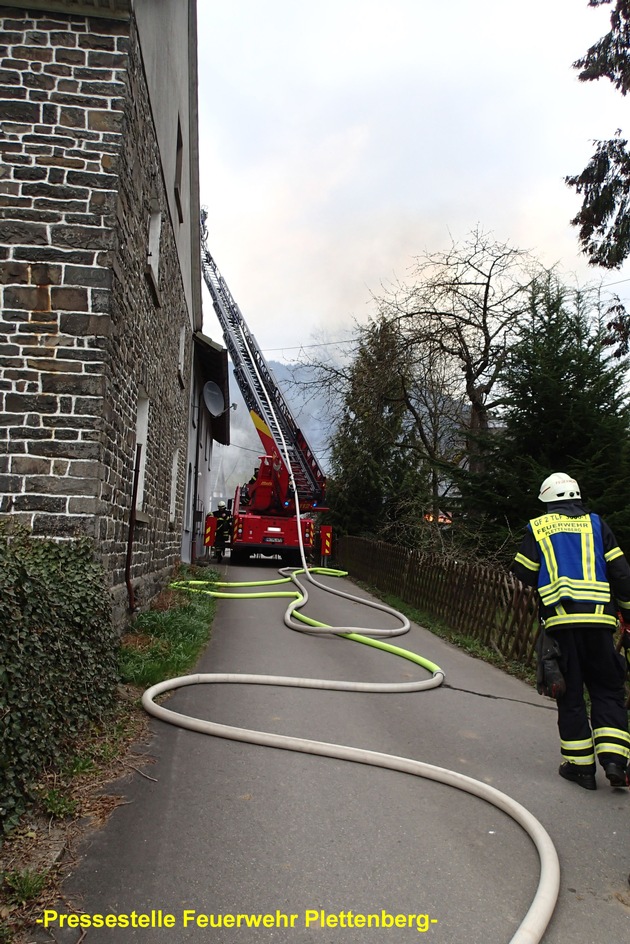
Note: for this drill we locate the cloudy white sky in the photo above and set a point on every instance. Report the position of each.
(339, 139)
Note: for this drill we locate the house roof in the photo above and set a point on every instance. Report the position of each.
(212, 362)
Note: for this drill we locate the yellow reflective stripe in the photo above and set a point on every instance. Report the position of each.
(579, 760)
(550, 559)
(599, 608)
(549, 599)
(612, 732)
(600, 619)
(576, 745)
(526, 562)
(613, 554)
(590, 591)
(578, 752)
(588, 553)
(612, 747)
(574, 583)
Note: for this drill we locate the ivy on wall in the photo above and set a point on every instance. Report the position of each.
(58, 650)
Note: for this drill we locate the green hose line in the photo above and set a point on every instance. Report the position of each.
(190, 584)
(395, 650)
(376, 643)
(196, 586)
(245, 596)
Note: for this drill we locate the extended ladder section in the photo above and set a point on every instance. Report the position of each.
(258, 385)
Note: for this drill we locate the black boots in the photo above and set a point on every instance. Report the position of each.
(583, 778)
(616, 775)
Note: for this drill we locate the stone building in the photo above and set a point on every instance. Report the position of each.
(102, 358)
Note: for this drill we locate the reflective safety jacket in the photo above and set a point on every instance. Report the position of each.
(577, 567)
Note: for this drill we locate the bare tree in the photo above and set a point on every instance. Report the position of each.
(456, 315)
(418, 391)
(430, 391)
(323, 370)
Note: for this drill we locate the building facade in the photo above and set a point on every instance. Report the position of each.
(101, 352)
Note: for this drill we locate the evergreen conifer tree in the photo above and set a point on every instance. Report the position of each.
(564, 410)
(604, 183)
(376, 487)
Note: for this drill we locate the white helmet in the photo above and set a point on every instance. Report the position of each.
(221, 504)
(559, 487)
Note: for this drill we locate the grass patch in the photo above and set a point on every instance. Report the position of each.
(57, 803)
(167, 639)
(23, 885)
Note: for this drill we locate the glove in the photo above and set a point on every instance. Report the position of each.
(549, 679)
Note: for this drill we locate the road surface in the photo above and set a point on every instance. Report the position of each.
(319, 845)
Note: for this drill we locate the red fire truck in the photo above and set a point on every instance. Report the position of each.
(265, 510)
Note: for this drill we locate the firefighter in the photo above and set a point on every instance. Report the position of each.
(572, 559)
(222, 536)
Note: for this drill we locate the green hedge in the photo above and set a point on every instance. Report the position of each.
(58, 651)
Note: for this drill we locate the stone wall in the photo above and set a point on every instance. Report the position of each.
(83, 330)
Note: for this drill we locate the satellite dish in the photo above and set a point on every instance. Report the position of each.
(213, 398)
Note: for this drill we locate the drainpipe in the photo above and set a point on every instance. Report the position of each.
(193, 531)
(132, 530)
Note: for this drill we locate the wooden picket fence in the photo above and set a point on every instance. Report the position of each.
(488, 604)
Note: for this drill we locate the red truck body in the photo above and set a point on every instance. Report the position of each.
(264, 518)
(268, 534)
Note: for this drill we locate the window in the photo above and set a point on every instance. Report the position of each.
(153, 254)
(179, 160)
(142, 430)
(182, 356)
(189, 497)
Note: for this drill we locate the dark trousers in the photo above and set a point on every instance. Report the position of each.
(588, 658)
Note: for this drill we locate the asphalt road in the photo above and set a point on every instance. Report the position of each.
(231, 828)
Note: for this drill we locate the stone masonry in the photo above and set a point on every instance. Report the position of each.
(83, 329)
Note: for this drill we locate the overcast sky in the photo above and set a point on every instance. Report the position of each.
(339, 139)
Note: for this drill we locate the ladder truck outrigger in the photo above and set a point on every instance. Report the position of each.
(264, 511)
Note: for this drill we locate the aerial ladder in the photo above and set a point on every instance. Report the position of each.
(264, 509)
